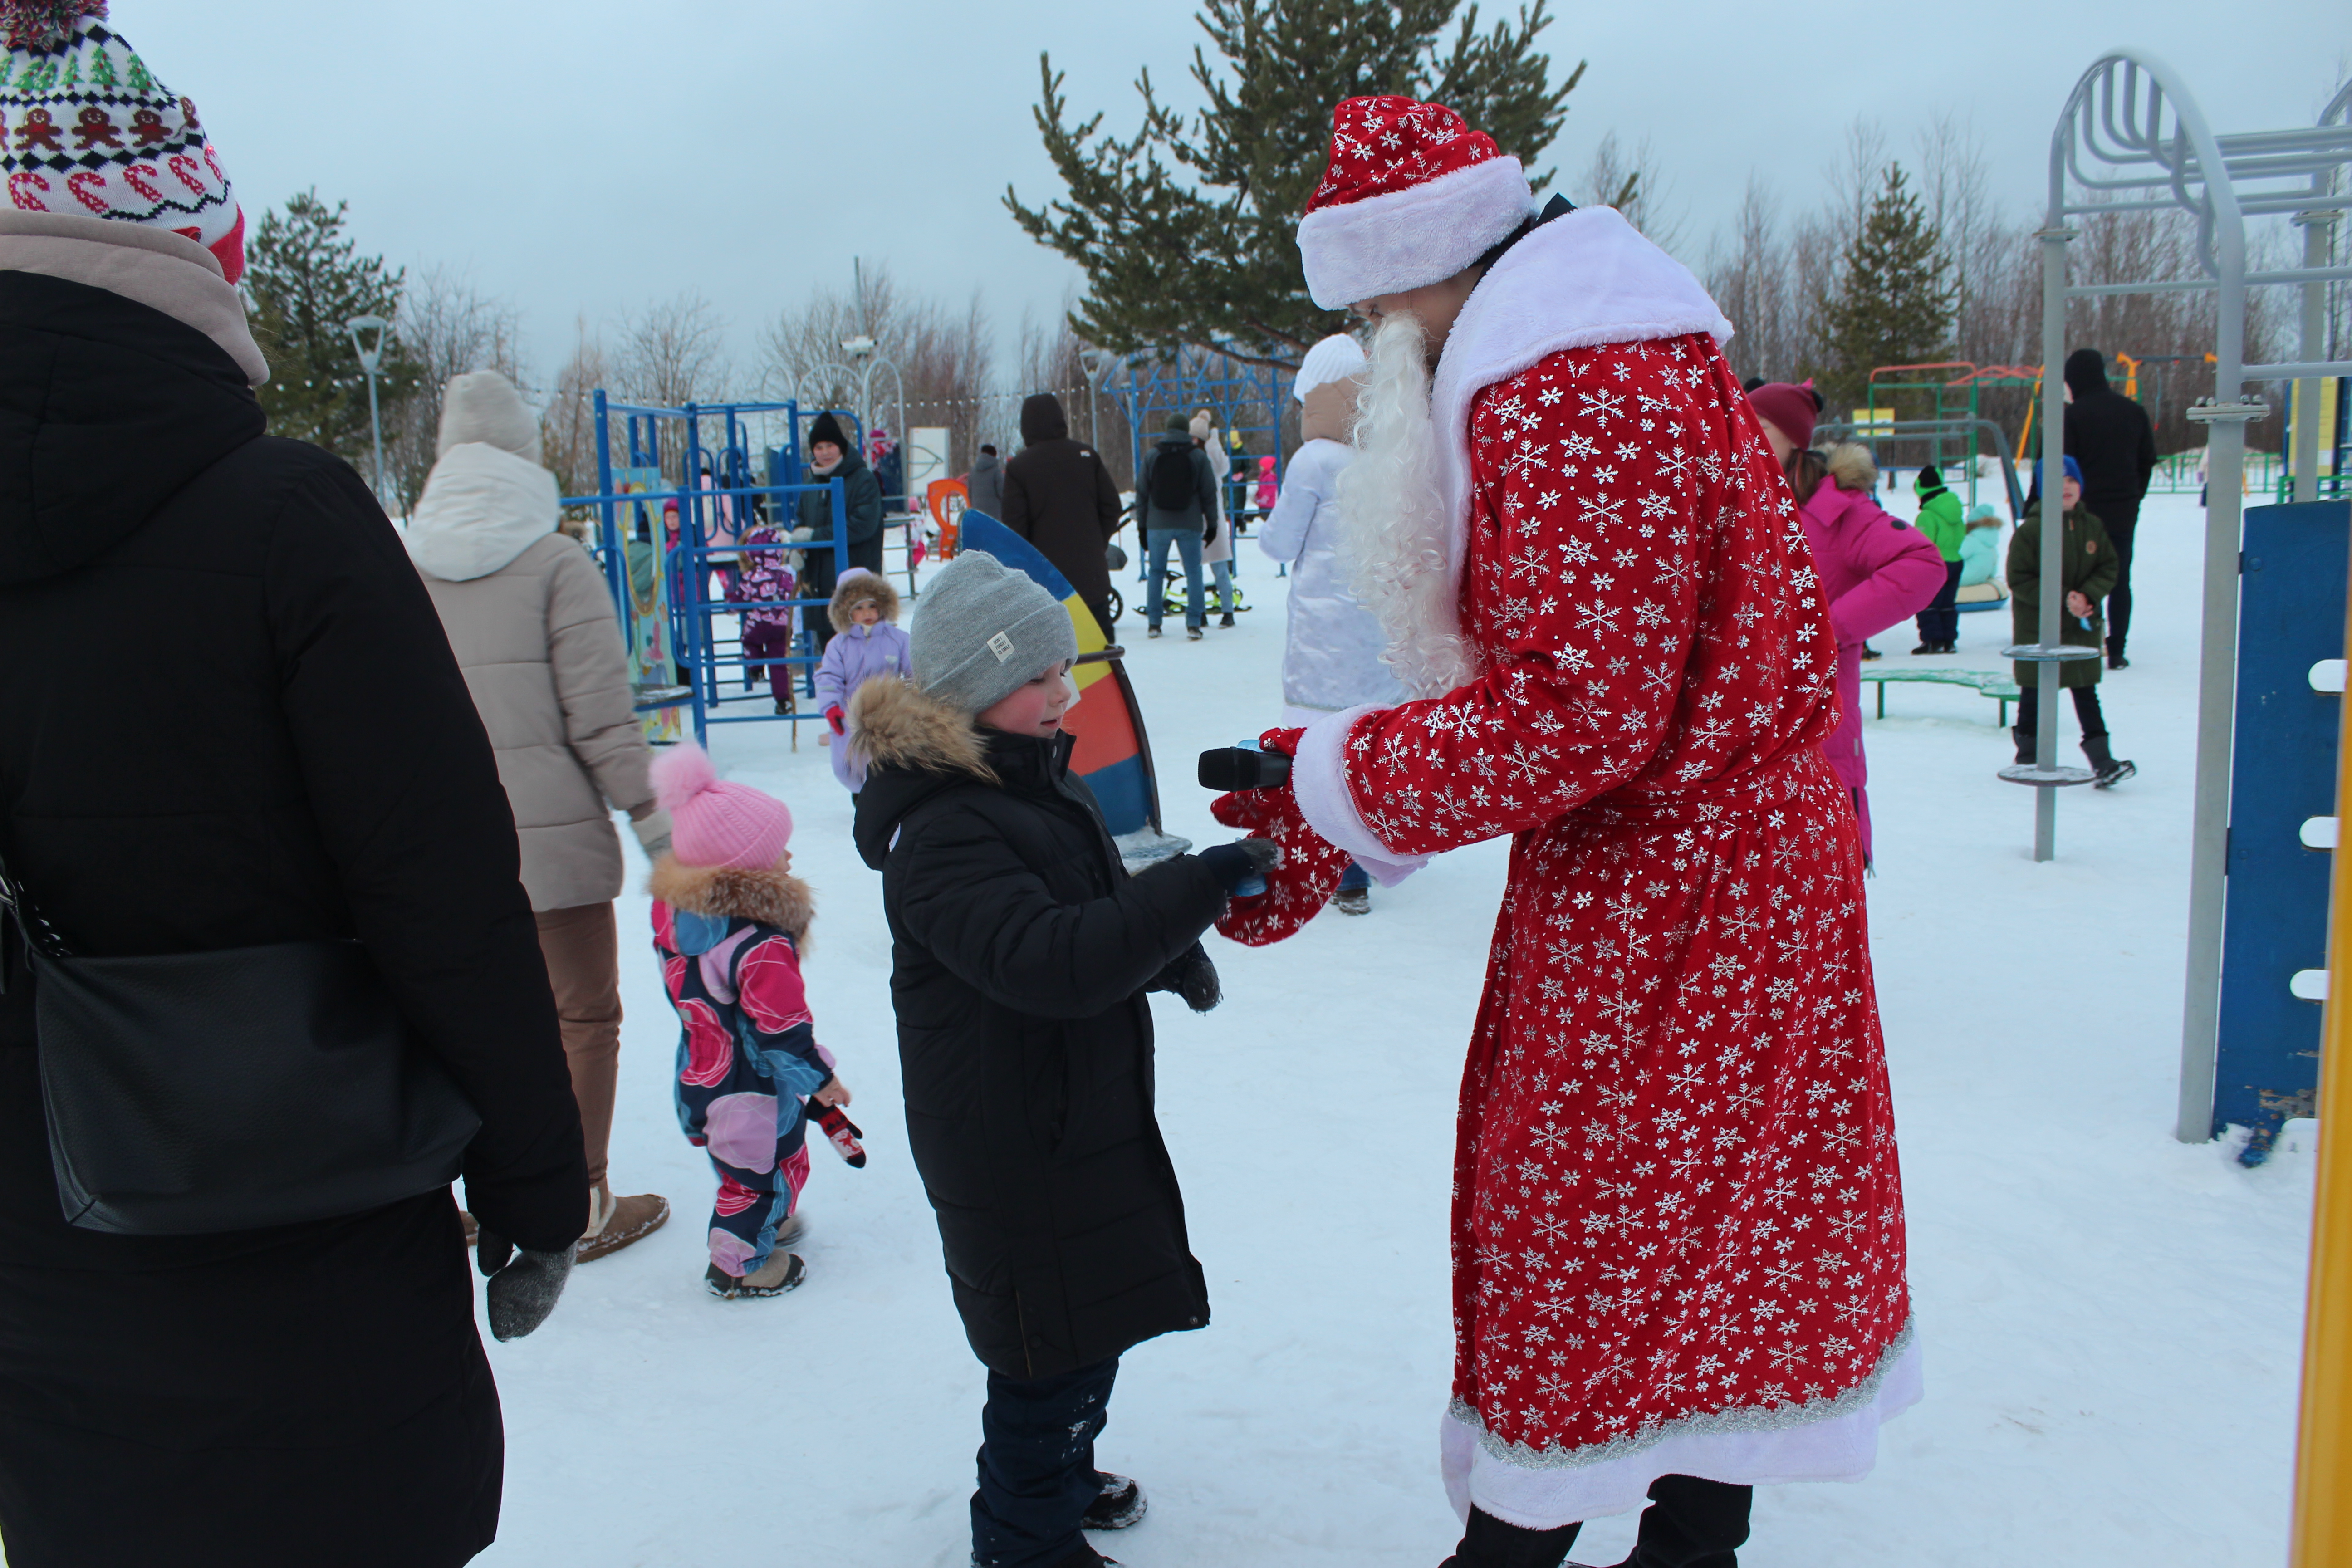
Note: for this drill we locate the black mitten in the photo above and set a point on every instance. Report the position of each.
(1194, 978)
(1234, 864)
(524, 1285)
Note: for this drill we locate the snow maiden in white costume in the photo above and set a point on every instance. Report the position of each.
(1678, 1238)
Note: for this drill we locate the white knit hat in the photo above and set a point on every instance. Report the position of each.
(483, 405)
(1336, 358)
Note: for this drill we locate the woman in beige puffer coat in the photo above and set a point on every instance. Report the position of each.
(531, 622)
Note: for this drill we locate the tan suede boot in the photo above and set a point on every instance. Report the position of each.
(613, 1222)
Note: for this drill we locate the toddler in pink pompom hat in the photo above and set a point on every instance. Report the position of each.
(718, 823)
(730, 925)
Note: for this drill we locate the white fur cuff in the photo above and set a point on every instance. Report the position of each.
(1409, 238)
(1318, 783)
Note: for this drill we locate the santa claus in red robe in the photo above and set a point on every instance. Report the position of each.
(1678, 1245)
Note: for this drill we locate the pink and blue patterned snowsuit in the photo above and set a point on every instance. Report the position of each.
(746, 1061)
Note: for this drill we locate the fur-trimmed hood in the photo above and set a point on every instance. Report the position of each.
(851, 590)
(1854, 468)
(772, 897)
(892, 725)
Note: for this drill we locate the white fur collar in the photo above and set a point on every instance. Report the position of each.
(1584, 279)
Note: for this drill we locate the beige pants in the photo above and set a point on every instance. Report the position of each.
(583, 967)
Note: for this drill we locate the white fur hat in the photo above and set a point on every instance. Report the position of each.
(1336, 358)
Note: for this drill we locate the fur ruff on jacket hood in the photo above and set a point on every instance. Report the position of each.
(850, 591)
(1852, 466)
(481, 508)
(892, 725)
(771, 897)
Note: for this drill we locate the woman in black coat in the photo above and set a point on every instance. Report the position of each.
(233, 720)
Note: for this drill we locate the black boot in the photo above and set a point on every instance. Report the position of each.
(2025, 744)
(1488, 1543)
(2109, 772)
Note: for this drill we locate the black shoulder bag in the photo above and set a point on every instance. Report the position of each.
(195, 1093)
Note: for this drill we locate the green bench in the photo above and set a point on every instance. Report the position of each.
(1993, 683)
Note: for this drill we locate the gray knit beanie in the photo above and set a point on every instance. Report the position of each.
(983, 631)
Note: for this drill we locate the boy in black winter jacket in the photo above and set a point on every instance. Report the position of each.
(1023, 951)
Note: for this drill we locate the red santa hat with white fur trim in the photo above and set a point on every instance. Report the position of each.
(1411, 197)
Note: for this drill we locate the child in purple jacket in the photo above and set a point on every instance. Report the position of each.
(869, 642)
(766, 578)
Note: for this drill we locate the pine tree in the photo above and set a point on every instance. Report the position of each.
(101, 70)
(1894, 303)
(304, 278)
(1187, 232)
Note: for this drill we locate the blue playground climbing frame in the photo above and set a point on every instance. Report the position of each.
(709, 676)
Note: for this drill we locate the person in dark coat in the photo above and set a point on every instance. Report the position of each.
(2110, 437)
(1058, 495)
(306, 763)
(1176, 495)
(983, 488)
(831, 457)
(1022, 953)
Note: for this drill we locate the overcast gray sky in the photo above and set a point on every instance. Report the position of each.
(592, 156)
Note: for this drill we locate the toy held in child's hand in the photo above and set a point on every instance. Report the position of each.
(1310, 867)
(841, 1132)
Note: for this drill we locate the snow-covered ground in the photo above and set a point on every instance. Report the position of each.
(2111, 1319)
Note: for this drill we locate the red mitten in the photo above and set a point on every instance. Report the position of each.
(840, 1132)
(1310, 869)
(834, 717)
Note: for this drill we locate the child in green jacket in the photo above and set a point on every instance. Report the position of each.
(1940, 520)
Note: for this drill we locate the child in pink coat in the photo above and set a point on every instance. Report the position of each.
(1877, 571)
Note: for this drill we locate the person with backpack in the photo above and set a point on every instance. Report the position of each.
(1180, 509)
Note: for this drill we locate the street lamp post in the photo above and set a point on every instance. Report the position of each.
(1097, 364)
(371, 360)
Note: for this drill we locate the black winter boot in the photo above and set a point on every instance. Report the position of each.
(2025, 744)
(2104, 763)
(1488, 1543)
(1119, 1504)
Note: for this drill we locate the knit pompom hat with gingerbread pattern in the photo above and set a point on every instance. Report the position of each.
(85, 128)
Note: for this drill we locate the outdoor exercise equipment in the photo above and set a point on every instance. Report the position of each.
(2132, 139)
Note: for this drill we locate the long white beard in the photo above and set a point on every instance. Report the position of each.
(1392, 517)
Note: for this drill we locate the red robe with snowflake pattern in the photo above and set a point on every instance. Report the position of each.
(1677, 1205)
